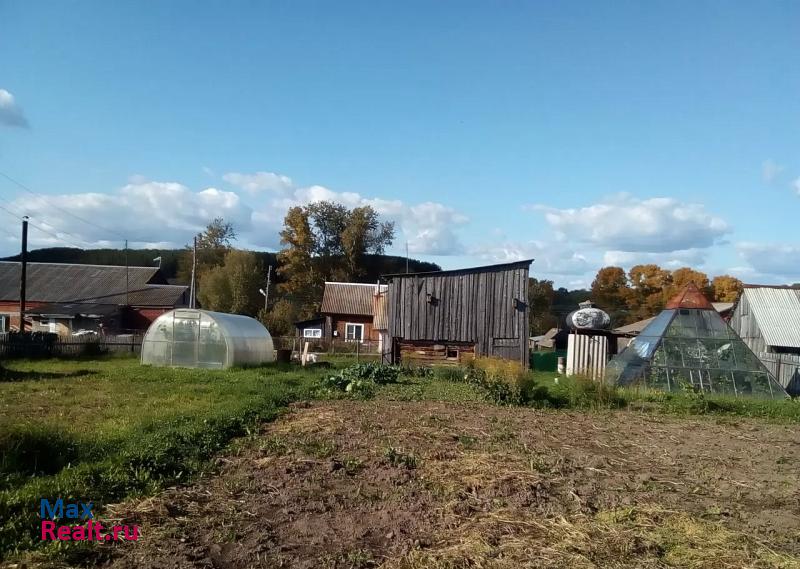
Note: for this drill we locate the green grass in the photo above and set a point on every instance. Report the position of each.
(105, 430)
(108, 429)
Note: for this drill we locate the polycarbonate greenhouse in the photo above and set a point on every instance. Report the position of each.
(204, 339)
(690, 345)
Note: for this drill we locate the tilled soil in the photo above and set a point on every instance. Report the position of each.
(420, 484)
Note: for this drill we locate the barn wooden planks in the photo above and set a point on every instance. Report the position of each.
(473, 306)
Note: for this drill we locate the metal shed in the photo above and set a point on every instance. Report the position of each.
(449, 317)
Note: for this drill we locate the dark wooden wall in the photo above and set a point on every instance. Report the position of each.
(475, 305)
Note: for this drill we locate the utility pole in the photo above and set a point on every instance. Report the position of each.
(127, 274)
(23, 273)
(266, 290)
(193, 289)
(406, 257)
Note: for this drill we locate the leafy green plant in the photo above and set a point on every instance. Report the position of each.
(400, 458)
(361, 379)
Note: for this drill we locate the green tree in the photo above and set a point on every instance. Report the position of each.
(280, 318)
(212, 245)
(364, 233)
(326, 241)
(540, 304)
(233, 286)
(302, 281)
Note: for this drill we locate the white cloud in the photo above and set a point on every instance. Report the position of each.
(625, 223)
(167, 213)
(773, 259)
(10, 112)
(550, 259)
(170, 213)
(430, 228)
(771, 171)
(260, 182)
(669, 260)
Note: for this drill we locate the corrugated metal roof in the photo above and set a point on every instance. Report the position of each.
(102, 284)
(777, 312)
(483, 269)
(634, 327)
(349, 298)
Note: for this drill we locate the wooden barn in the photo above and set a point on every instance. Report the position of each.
(450, 317)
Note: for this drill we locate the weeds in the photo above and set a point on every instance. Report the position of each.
(399, 458)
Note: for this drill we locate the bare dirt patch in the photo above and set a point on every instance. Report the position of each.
(420, 484)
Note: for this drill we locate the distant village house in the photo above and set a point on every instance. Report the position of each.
(68, 299)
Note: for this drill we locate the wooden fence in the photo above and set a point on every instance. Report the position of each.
(333, 347)
(46, 345)
(785, 368)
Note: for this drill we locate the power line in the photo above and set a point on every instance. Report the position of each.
(58, 238)
(42, 198)
(42, 229)
(20, 216)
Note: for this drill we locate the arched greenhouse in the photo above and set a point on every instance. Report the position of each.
(204, 339)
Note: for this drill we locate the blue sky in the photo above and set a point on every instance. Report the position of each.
(577, 133)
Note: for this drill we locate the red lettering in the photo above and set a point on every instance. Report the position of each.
(64, 533)
(132, 536)
(97, 528)
(78, 533)
(48, 527)
(116, 530)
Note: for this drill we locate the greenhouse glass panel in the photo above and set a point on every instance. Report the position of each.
(205, 339)
(692, 347)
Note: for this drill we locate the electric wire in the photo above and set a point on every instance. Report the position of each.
(59, 208)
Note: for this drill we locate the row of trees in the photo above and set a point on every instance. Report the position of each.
(323, 241)
(640, 293)
(326, 241)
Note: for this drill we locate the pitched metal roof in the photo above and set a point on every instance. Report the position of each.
(487, 268)
(100, 284)
(689, 297)
(68, 310)
(349, 298)
(777, 312)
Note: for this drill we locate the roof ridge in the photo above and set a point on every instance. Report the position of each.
(79, 265)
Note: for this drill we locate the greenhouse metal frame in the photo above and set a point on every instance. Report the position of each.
(203, 339)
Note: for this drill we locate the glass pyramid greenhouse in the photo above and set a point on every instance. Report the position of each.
(690, 345)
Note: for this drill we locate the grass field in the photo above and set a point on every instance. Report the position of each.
(111, 431)
(105, 430)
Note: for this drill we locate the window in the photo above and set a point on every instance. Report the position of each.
(354, 332)
(312, 333)
(3, 323)
(452, 353)
(52, 325)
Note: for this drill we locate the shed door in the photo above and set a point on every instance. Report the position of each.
(507, 348)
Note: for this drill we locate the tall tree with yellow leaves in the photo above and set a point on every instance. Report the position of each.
(726, 288)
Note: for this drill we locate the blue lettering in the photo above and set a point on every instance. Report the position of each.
(51, 511)
(87, 510)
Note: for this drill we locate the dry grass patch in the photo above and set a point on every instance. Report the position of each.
(624, 538)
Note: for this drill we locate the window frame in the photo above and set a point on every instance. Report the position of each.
(347, 335)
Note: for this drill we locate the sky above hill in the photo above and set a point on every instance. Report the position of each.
(580, 134)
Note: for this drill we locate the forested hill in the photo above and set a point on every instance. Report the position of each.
(374, 265)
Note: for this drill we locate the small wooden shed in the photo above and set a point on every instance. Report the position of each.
(449, 317)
